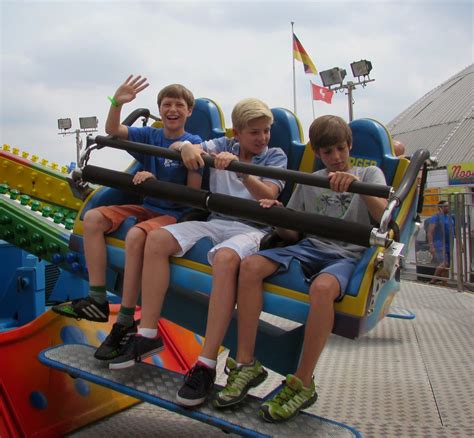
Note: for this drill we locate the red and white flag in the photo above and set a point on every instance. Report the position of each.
(321, 93)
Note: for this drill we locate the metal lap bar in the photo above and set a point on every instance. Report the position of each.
(417, 161)
(310, 223)
(378, 190)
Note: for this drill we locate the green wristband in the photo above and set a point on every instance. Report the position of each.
(113, 101)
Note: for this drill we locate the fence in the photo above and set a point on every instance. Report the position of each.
(451, 261)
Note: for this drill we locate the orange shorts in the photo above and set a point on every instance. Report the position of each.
(147, 220)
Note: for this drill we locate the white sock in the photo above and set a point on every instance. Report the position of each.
(245, 364)
(208, 362)
(147, 332)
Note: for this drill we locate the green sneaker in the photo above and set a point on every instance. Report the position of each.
(289, 401)
(239, 382)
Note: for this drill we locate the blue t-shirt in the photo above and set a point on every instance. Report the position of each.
(164, 169)
(444, 228)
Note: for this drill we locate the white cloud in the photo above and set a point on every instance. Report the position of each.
(62, 58)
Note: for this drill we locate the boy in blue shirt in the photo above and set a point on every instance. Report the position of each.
(175, 104)
(232, 239)
(327, 263)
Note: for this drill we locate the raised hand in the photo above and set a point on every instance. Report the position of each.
(130, 88)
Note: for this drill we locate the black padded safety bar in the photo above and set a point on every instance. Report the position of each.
(135, 115)
(151, 187)
(309, 223)
(128, 121)
(378, 190)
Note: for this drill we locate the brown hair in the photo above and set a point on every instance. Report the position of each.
(247, 110)
(329, 130)
(177, 91)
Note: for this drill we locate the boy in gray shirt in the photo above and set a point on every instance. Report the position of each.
(327, 263)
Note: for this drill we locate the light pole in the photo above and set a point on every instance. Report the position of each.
(87, 125)
(334, 78)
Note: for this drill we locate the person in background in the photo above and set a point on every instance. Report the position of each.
(440, 230)
(399, 148)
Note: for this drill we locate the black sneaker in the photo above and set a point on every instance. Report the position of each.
(198, 385)
(135, 350)
(118, 337)
(84, 308)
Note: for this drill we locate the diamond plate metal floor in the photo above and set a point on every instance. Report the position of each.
(404, 379)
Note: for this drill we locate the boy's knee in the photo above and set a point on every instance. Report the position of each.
(135, 238)
(94, 220)
(324, 290)
(251, 268)
(160, 242)
(226, 258)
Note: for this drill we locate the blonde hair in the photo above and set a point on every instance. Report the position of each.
(247, 110)
(176, 91)
(329, 130)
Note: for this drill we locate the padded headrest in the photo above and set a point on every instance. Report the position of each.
(206, 120)
(371, 146)
(286, 134)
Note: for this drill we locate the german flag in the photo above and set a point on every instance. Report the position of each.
(300, 54)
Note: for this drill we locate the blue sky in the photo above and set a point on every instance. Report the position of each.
(63, 58)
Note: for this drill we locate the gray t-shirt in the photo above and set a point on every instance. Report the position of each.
(348, 206)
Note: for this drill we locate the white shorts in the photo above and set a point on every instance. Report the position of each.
(242, 238)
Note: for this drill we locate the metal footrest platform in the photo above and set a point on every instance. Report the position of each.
(158, 386)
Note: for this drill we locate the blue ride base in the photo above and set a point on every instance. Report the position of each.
(158, 386)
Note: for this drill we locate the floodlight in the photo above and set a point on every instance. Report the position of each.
(361, 68)
(64, 123)
(88, 122)
(333, 76)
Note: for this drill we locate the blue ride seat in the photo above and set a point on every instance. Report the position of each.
(207, 119)
(286, 133)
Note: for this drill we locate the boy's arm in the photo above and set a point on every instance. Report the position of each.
(190, 153)
(341, 181)
(430, 235)
(194, 179)
(376, 206)
(259, 189)
(290, 236)
(296, 203)
(124, 94)
(113, 125)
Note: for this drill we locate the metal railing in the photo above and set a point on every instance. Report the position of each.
(460, 241)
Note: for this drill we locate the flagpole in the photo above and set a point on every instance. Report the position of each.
(293, 58)
(311, 94)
